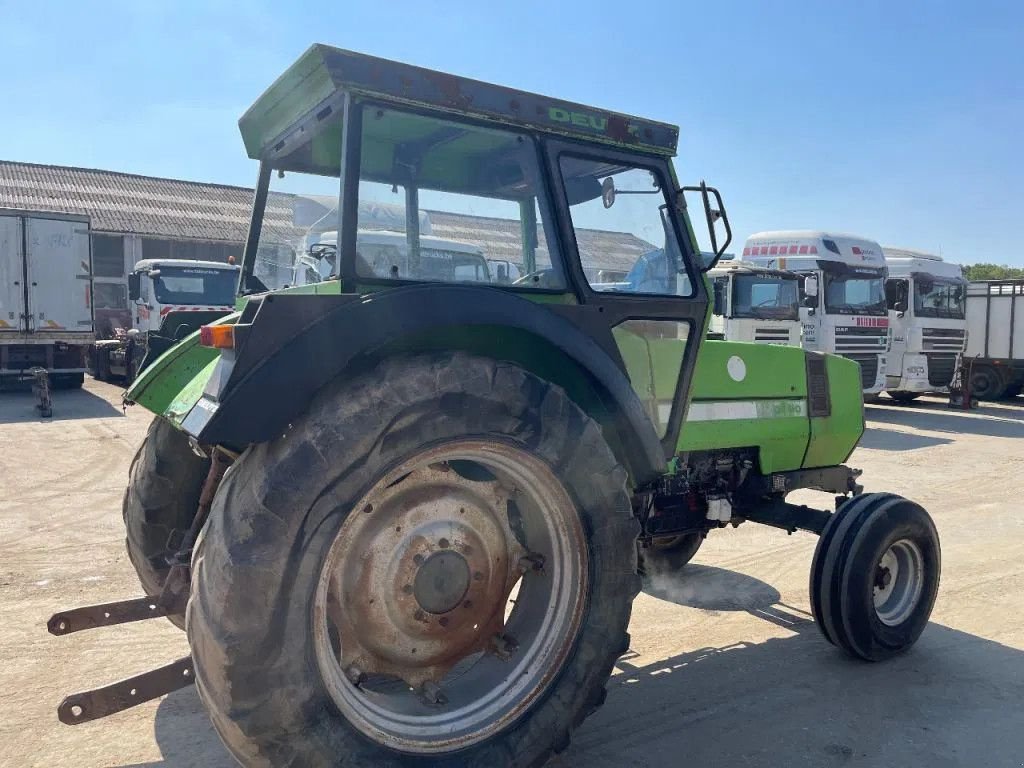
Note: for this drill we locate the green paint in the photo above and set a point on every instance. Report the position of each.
(834, 437)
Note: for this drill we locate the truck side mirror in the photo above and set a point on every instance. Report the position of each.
(719, 295)
(810, 290)
(133, 286)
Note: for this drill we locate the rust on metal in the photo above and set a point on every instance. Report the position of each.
(105, 615)
(91, 705)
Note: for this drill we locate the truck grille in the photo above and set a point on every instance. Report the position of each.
(772, 335)
(855, 339)
(940, 369)
(942, 339)
(868, 369)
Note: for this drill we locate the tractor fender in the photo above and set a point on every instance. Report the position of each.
(289, 346)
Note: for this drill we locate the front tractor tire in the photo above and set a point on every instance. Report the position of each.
(164, 484)
(668, 554)
(435, 563)
(875, 575)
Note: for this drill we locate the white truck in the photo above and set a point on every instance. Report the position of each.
(755, 303)
(385, 254)
(844, 278)
(926, 298)
(169, 299)
(46, 317)
(994, 354)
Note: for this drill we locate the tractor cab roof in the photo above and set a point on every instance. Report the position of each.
(294, 123)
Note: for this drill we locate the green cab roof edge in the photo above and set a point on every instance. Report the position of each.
(323, 72)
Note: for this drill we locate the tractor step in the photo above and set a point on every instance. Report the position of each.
(124, 694)
(106, 615)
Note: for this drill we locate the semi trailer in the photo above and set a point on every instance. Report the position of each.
(46, 316)
(926, 298)
(994, 355)
(398, 511)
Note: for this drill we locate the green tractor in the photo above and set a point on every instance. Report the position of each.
(399, 509)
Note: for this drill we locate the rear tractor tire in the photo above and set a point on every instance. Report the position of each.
(435, 563)
(875, 575)
(160, 503)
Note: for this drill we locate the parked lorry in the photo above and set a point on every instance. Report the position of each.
(994, 355)
(46, 318)
(849, 317)
(926, 298)
(399, 517)
(168, 300)
(754, 303)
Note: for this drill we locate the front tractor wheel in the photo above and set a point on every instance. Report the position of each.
(668, 554)
(436, 561)
(875, 575)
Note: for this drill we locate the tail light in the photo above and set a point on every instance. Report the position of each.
(217, 336)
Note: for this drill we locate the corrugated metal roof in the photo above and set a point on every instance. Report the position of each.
(189, 210)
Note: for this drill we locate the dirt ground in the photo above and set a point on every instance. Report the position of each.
(726, 666)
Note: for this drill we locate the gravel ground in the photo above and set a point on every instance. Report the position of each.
(726, 666)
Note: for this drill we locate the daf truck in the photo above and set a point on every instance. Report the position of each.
(926, 298)
(994, 355)
(753, 303)
(168, 300)
(844, 277)
(46, 317)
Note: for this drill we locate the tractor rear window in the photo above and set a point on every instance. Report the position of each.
(449, 202)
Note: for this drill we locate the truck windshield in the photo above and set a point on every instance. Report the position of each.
(195, 285)
(771, 297)
(854, 293)
(939, 298)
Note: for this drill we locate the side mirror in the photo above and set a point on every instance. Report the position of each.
(810, 290)
(133, 286)
(712, 216)
(719, 298)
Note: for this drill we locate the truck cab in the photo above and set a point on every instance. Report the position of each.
(926, 298)
(386, 254)
(754, 303)
(844, 275)
(168, 300)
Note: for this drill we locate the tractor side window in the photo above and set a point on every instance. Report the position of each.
(448, 202)
(619, 216)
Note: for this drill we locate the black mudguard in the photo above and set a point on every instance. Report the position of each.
(289, 346)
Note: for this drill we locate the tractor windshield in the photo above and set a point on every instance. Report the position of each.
(769, 297)
(190, 286)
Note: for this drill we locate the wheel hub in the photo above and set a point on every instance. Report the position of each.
(437, 560)
(898, 583)
(441, 582)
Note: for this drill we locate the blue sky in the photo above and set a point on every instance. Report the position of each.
(899, 121)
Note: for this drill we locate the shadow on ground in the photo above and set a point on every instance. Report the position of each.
(881, 439)
(17, 406)
(987, 421)
(953, 700)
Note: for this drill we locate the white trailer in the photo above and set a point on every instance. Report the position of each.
(46, 318)
(994, 353)
(753, 303)
(849, 317)
(926, 298)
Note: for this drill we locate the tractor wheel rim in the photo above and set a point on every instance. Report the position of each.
(899, 582)
(451, 596)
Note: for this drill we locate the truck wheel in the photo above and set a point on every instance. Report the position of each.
(874, 575)
(903, 396)
(435, 563)
(670, 553)
(164, 483)
(986, 383)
